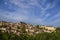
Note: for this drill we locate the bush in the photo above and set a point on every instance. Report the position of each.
(41, 36)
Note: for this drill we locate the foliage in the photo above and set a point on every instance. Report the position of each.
(37, 26)
(41, 36)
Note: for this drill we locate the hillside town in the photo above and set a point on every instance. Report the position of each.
(22, 28)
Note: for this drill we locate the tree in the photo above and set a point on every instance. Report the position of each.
(37, 26)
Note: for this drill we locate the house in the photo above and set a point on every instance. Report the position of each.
(48, 28)
(3, 29)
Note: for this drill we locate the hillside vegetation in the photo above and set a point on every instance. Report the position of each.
(9, 33)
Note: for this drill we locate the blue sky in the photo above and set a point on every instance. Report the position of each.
(43, 12)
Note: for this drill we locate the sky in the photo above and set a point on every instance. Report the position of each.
(42, 12)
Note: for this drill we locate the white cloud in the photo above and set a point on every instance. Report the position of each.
(47, 15)
(56, 20)
(24, 7)
(48, 6)
(23, 13)
(16, 17)
(55, 16)
(5, 3)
